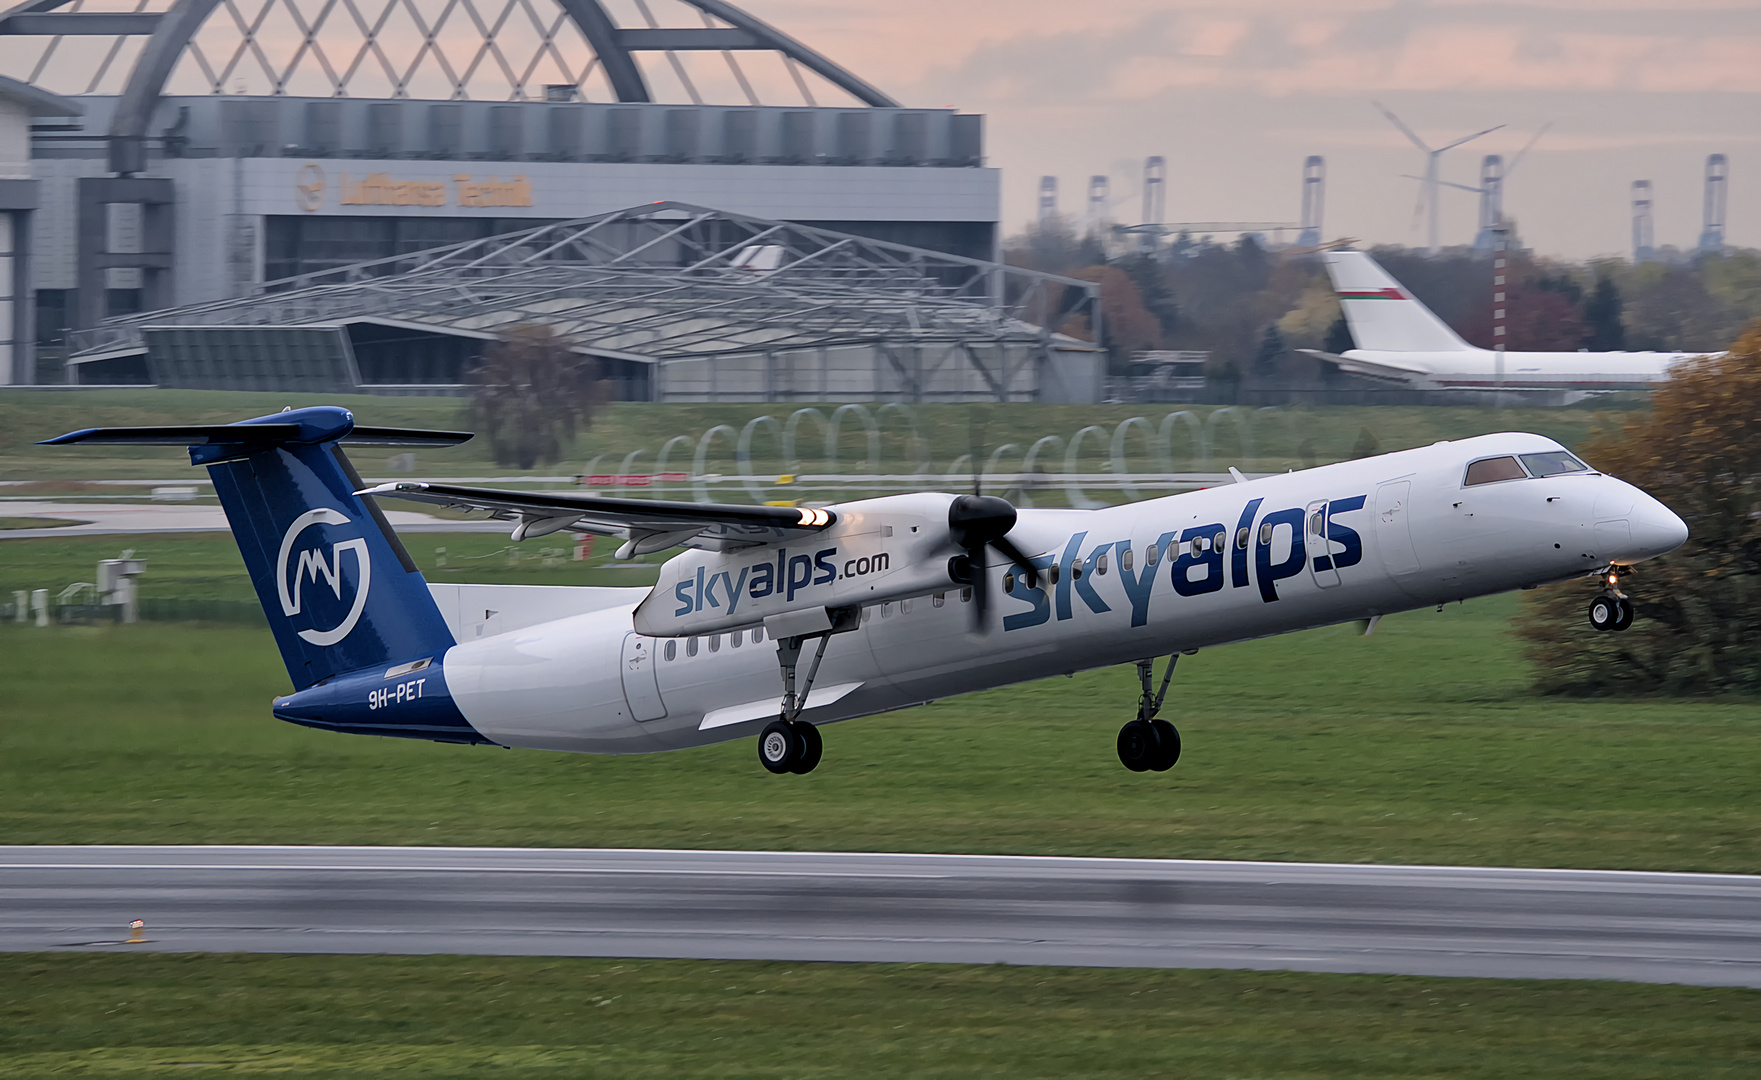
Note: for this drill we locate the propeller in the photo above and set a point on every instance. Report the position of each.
(976, 522)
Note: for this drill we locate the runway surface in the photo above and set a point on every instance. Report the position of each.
(1647, 927)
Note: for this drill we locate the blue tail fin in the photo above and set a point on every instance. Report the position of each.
(340, 591)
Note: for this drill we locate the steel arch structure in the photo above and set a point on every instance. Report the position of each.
(170, 34)
(670, 282)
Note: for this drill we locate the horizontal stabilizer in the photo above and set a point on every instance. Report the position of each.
(394, 436)
(648, 524)
(180, 435)
(252, 435)
(1377, 369)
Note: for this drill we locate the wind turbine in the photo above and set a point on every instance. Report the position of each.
(1428, 192)
(1493, 174)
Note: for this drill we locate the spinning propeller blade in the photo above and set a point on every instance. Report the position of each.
(976, 522)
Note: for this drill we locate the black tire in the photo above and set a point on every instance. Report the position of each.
(1168, 743)
(779, 746)
(1604, 613)
(1625, 618)
(1139, 745)
(811, 745)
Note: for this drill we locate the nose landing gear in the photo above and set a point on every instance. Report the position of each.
(1148, 744)
(1612, 610)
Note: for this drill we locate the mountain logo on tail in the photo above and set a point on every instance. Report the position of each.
(313, 565)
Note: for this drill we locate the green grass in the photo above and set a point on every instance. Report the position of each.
(207, 566)
(1420, 744)
(473, 1016)
(1282, 439)
(19, 524)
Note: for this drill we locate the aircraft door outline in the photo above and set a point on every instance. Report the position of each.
(641, 686)
(1394, 529)
(1315, 541)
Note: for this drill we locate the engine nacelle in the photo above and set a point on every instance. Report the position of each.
(882, 549)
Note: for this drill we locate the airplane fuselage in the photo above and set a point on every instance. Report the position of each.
(1484, 369)
(1304, 549)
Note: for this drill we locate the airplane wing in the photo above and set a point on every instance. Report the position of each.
(645, 525)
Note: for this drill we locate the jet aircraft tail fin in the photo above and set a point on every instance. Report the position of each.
(340, 591)
(1383, 316)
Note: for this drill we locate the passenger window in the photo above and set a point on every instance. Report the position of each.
(672, 650)
(1052, 573)
(691, 647)
(1553, 463)
(938, 599)
(1009, 583)
(1241, 537)
(1316, 523)
(734, 639)
(1101, 565)
(887, 610)
(1125, 559)
(758, 636)
(1221, 541)
(905, 607)
(1266, 534)
(715, 643)
(1152, 555)
(1492, 470)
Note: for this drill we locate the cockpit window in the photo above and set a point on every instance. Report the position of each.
(1553, 463)
(1492, 470)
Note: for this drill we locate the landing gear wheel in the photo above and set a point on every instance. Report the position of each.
(1140, 746)
(1625, 618)
(811, 745)
(1168, 745)
(1605, 613)
(780, 746)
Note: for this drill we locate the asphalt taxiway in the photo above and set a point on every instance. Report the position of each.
(1648, 927)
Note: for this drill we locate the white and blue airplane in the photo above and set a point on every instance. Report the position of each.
(775, 620)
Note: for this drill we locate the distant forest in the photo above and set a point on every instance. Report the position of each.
(1251, 307)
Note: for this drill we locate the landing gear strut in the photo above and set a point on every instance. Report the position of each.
(1147, 743)
(789, 744)
(1612, 610)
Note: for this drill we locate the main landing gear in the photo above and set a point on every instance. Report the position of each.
(1147, 743)
(789, 744)
(1612, 610)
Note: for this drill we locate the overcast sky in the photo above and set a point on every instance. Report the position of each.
(1235, 95)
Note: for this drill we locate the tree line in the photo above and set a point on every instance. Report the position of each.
(1251, 306)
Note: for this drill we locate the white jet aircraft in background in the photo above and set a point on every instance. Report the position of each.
(1399, 339)
(897, 600)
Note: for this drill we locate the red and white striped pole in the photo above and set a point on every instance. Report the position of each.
(1499, 237)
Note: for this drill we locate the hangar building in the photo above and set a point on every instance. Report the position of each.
(215, 148)
(676, 302)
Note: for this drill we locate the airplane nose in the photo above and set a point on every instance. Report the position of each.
(1656, 530)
